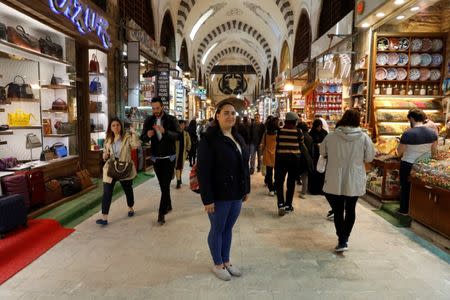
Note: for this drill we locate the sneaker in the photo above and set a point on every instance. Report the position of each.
(272, 193)
(281, 211)
(330, 215)
(130, 213)
(288, 209)
(221, 273)
(341, 247)
(102, 222)
(234, 271)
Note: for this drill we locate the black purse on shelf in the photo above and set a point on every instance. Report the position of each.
(56, 80)
(48, 47)
(20, 90)
(3, 34)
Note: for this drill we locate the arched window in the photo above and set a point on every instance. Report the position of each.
(168, 36)
(303, 38)
(183, 62)
(332, 11)
(284, 60)
(267, 83)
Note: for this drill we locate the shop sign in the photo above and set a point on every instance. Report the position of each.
(163, 84)
(368, 8)
(85, 18)
(179, 99)
(360, 7)
(147, 44)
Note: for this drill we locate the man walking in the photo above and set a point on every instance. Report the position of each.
(162, 130)
(257, 130)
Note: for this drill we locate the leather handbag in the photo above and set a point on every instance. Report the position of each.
(70, 185)
(47, 126)
(48, 47)
(8, 162)
(47, 154)
(53, 191)
(85, 178)
(33, 141)
(95, 106)
(94, 66)
(3, 34)
(61, 151)
(95, 87)
(65, 128)
(3, 99)
(56, 80)
(19, 37)
(4, 127)
(20, 90)
(59, 104)
(117, 169)
(16, 184)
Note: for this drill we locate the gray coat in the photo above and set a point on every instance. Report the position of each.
(347, 149)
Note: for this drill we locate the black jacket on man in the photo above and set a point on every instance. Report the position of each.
(223, 173)
(165, 146)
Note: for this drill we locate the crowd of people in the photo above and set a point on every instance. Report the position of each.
(225, 151)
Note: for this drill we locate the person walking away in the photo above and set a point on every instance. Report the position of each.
(183, 146)
(257, 130)
(268, 147)
(347, 149)
(192, 130)
(417, 141)
(287, 161)
(324, 123)
(118, 145)
(309, 145)
(162, 130)
(224, 179)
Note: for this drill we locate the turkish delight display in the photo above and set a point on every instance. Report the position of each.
(434, 170)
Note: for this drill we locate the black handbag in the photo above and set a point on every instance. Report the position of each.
(70, 185)
(3, 95)
(3, 35)
(56, 80)
(48, 47)
(118, 169)
(95, 87)
(20, 90)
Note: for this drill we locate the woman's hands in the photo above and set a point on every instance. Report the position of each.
(209, 208)
(105, 155)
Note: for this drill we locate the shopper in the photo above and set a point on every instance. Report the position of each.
(183, 146)
(257, 130)
(346, 150)
(192, 130)
(268, 148)
(118, 145)
(417, 141)
(309, 145)
(316, 179)
(288, 161)
(224, 179)
(162, 130)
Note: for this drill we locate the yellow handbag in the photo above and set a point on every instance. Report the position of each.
(19, 118)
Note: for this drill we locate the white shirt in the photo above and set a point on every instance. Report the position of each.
(158, 133)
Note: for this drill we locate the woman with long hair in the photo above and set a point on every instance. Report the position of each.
(318, 134)
(224, 178)
(118, 145)
(268, 147)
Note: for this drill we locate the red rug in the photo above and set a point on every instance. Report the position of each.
(21, 247)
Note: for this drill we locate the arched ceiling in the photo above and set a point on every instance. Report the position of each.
(232, 51)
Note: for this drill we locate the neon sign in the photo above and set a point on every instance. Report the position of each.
(84, 17)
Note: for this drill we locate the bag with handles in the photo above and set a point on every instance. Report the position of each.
(94, 66)
(117, 169)
(95, 87)
(56, 80)
(321, 164)
(20, 118)
(59, 104)
(21, 38)
(19, 90)
(48, 47)
(33, 141)
(194, 185)
(47, 154)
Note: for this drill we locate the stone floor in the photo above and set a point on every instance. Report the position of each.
(282, 258)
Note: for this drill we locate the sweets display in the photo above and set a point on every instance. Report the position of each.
(434, 170)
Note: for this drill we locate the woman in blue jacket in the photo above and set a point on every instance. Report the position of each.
(224, 178)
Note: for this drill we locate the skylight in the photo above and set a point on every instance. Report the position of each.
(200, 22)
(207, 53)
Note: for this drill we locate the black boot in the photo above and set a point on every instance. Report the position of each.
(161, 220)
(178, 184)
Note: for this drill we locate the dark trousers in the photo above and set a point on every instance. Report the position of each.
(405, 186)
(343, 223)
(192, 155)
(292, 169)
(268, 179)
(164, 169)
(108, 188)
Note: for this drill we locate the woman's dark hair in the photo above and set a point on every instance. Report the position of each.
(193, 124)
(303, 126)
(181, 122)
(272, 125)
(417, 114)
(219, 109)
(157, 99)
(110, 133)
(351, 118)
(316, 124)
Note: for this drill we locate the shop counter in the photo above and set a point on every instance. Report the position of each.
(383, 179)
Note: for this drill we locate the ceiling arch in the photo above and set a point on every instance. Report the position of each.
(288, 14)
(234, 50)
(183, 12)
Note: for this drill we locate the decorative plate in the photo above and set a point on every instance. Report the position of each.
(324, 88)
(393, 58)
(401, 74)
(339, 88)
(383, 44)
(425, 59)
(403, 44)
(416, 45)
(319, 89)
(436, 45)
(332, 88)
(414, 74)
(382, 59)
(435, 74)
(403, 59)
(391, 74)
(362, 63)
(436, 60)
(427, 44)
(415, 59)
(394, 44)
(381, 74)
(424, 74)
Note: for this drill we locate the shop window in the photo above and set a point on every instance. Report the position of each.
(332, 12)
(302, 48)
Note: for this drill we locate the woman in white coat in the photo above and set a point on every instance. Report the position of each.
(346, 150)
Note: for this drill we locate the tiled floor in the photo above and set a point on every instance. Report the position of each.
(281, 258)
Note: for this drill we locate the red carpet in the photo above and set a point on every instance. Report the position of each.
(21, 247)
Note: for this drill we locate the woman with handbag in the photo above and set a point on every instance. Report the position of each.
(268, 146)
(118, 166)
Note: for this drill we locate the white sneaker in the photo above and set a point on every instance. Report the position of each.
(221, 273)
(234, 271)
(272, 193)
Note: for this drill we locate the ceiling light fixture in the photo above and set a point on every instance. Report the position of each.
(200, 23)
(207, 53)
(380, 15)
(365, 25)
(401, 17)
(415, 8)
(399, 2)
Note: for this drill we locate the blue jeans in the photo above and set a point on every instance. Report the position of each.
(222, 222)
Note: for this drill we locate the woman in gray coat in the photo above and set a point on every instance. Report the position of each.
(346, 150)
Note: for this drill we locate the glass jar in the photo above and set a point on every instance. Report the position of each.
(417, 90)
(395, 90)
(383, 89)
(410, 90)
(436, 90)
(377, 89)
(429, 90)
(423, 90)
(389, 89)
(402, 90)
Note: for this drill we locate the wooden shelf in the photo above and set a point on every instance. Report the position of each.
(331, 94)
(54, 111)
(359, 82)
(97, 130)
(359, 95)
(96, 74)
(57, 86)
(97, 112)
(393, 51)
(97, 94)
(23, 100)
(26, 127)
(59, 135)
(409, 97)
(6, 132)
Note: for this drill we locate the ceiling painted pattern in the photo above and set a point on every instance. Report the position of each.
(234, 50)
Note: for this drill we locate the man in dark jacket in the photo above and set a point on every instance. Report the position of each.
(310, 146)
(162, 130)
(257, 130)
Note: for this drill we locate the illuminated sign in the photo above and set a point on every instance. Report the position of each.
(85, 18)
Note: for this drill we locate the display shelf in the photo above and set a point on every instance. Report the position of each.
(23, 100)
(95, 94)
(97, 130)
(8, 47)
(97, 112)
(408, 97)
(96, 74)
(57, 86)
(54, 111)
(329, 94)
(359, 82)
(6, 132)
(59, 135)
(26, 127)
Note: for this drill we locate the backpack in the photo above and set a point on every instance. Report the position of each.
(193, 180)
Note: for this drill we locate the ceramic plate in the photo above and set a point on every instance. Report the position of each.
(436, 45)
(415, 59)
(425, 59)
(416, 45)
(382, 59)
(435, 74)
(401, 74)
(426, 45)
(339, 88)
(362, 63)
(403, 59)
(393, 58)
(403, 44)
(332, 88)
(414, 74)
(394, 44)
(319, 89)
(382, 44)
(391, 74)
(436, 60)
(324, 88)
(381, 74)
(424, 74)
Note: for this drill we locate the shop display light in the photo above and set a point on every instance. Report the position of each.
(380, 14)
(415, 8)
(365, 25)
(399, 2)
(401, 17)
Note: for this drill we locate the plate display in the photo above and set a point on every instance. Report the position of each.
(416, 45)
(382, 59)
(415, 59)
(436, 45)
(393, 58)
(426, 45)
(332, 88)
(324, 88)
(403, 44)
(403, 59)
(401, 74)
(414, 74)
(319, 89)
(394, 44)
(391, 74)
(424, 74)
(381, 74)
(339, 88)
(435, 74)
(425, 60)
(437, 60)
(383, 44)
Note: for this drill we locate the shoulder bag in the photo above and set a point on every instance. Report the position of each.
(95, 87)
(19, 37)
(33, 141)
(59, 104)
(117, 169)
(94, 66)
(19, 90)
